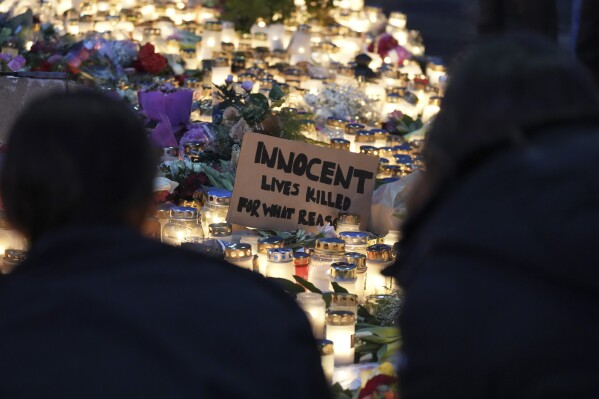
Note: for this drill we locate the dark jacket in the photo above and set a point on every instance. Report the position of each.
(587, 42)
(108, 314)
(501, 277)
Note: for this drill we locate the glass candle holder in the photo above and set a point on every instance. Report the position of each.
(359, 260)
(334, 129)
(221, 231)
(327, 359)
(380, 137)
(12, 259)
(280, 263)
(10, 238)
(341, 329)
(355, 241)
(392, 237)
(215, 208)
(264, 244)
(340, 144)
(182, 223)
(315, 308)
(351, 131)
(347, 222)
(326, 252)
(369, 150)
(301, 260)
(346, 302)
(240, 255)
(378, 258)
(363, 137)
(345, 274)
(152, 228)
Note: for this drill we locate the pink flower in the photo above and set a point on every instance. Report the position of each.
(16, 63)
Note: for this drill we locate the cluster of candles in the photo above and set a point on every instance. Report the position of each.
(12, 246)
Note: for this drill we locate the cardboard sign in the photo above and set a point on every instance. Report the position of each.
(286, 185)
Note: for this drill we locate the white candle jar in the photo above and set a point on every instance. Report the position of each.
(216, 207)
(327, 359)
(315, 308)
(326, 252)
(363, 137)
(221, 231)
(334, 129)
(240, 255)
(347, 222)
(341, 329)
(182, 223)
(280, 263)
(378, 258)
(264, 245)
(351, 131)
(355, 241)
(392, 237)
(211, 39)
(345, 274)
(359, 260)
(300, 46)
(220, 70)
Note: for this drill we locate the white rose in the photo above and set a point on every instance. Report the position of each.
(164, 184)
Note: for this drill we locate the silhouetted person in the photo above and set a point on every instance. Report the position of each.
(587, 36)
(97, 310)
(499, 257)
(504, 16)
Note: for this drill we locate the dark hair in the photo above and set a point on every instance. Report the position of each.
(75, 159)
(500, 91)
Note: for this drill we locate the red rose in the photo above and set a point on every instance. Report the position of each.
(154, 63)
(191, 184)
(161, 197)
(375, 382)
(146, 50)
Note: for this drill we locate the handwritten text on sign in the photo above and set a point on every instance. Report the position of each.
(283, 185)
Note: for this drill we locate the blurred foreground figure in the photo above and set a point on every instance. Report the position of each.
(587, 36)
(98, 311)
(500, 261)
(504, 16)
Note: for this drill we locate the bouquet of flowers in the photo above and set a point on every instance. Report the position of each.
(399, 123)
(166, 103)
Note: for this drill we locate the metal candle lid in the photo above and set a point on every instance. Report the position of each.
(219, 197)
(354, 237)
(380, 252)
(336, 122)
(353, 128)
(344, 299)
(386, 152)
(340, 318)
(402, 159)
(329, 244)
(344, 271)
(301, 258)
(280, 255)
(266, 243)
(325, 347)
(365, 136)
(183, 212)
(403, 148)
(340, 144)
(380, 134)
(192, 147)
(213, 26)
(373, 239)
(357, 259)
(369, 150)
(236, 251)
(170, 151)
(14, 256)
(220, 229)
(348, 218)
(393, 170)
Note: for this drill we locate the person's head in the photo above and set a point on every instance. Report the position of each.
(501, 90)
(76, 159)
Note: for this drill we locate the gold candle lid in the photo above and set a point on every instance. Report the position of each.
(336, 122)
(213, 26)
(365, 136)
(266, 243)
(373, 239)
(219, 196)
(325, 347)
(280, 255)
(357, 259)
(301, 258)
(380, 134)
(379, 252)
(236, 251)
(220, 229)
(14, 256)
(340, 144)
(340, 318)
(348, 218)
(369, 150)
(354, 237)
(329, 244)
(183, 212)
(344, 299)
(344, 271)
(353, 128)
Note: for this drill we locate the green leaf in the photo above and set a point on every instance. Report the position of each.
(327, 299)
(276, 93)
(374, 339)
(367, 348)
(385, 332)
(306, 284)
(339, 289)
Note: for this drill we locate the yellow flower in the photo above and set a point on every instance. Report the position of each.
(386, 368)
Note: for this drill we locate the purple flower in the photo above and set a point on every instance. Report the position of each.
(196, 132)
(5, 57)
(248, 85)
(229, 79)
(53, 59)
(17, 63)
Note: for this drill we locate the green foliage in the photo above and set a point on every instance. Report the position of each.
(244, 13)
